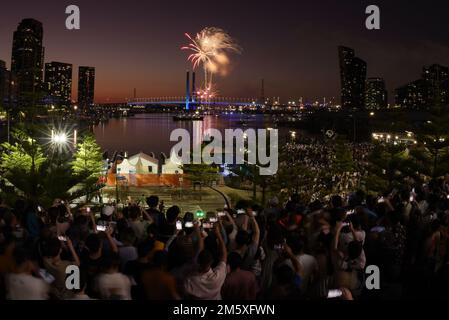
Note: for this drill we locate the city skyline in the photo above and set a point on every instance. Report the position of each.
(290, 52)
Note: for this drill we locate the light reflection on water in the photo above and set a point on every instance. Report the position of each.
(151, 132)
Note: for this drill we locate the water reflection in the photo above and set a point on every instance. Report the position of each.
(151, 132)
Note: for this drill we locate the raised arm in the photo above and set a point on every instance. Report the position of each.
(76, 259)
(146, 216)
(199, 236)
(111, 241)
(223, 253)
(295, 262)
(338, 227)
(256, 230)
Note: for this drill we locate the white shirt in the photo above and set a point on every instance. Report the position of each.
(26, 287)
(114, 284)
(308, 264)
(207, 286)
(128, 253)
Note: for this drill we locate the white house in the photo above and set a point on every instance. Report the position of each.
(171, 165)
(126, 168)
(144, 164)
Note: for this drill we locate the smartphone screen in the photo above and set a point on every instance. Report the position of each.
(46, 276)
(178, 225)
(213, 219)
(240, 211)
(334, 294)
(207, 225)
(88, 209)
(101, 228)
(62, 238)
(221, 214)
(188, 224)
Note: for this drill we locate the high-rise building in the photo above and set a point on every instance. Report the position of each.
(353, 77)
(376, 96)
(86, 87)
(8, 86)
(58, 83)
(437, 81)
(3, 83)
(28, 59)
(412, 96)
(429, 91)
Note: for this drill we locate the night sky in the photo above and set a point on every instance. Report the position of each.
(292, 44)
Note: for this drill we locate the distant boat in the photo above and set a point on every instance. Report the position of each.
(188, 117)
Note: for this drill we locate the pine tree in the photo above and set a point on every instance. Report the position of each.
(433, 147)
(87, 163)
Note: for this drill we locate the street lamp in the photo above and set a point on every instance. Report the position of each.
(293, 135)
(59, 138)
(117, 175)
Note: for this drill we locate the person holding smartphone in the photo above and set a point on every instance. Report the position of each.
(56, 266)
(349, 263)
(206, 282)
(246, 244)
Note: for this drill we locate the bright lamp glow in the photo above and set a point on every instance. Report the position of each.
(59, 138)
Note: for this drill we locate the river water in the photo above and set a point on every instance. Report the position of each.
(151, 132)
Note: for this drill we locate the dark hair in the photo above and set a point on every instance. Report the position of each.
(173, 213)
(93, 243)
(275, 235)
(152, 201)
(81, 220)
(205, 259)
(134, 212)
(242, 204)
(235, 261)
(284, 274)
(336, 201)
(127, 235)
(52, 247)
(145, 247)
(295, 243)
(188, 217)
(355, 220)
(354, 249)
(53, 214)
(160, 258)
(242, 238)
(21, 255)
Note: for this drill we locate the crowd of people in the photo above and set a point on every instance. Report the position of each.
(291, 250)
(318, 157)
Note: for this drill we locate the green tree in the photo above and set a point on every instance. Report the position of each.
(87, 164)
(389, 166)
(201, 174)
(21, 163)
(343, 161)
(24, 165)
(433, 148)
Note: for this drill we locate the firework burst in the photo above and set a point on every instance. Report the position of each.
(211, 48)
